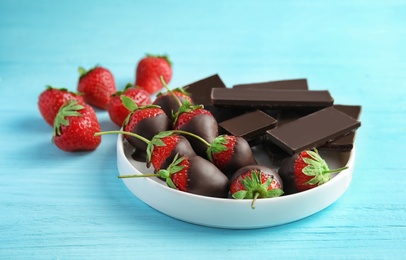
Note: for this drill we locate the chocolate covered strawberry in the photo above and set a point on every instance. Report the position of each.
(146, 121)
(162, 148)
(148, 71)
(116, 109)
(255, 182)
(97, 86)
(51, 99)
(229, 153)
(75, 126)
(199, 121)
(305, 171)
(194, 175)
(171, 100)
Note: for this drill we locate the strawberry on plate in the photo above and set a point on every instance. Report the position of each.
(199, 121)
(305, 171)
(75, 126)
(117, 112)
(254, 182)
(51, 99)
(192, 174)
(150, 69)
(97, 86)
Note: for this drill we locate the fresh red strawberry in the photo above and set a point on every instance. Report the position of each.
(149, 70)
(146, 121)
(117, 112)
(253, 182)
(194, 175)
(196, 120)
(97, 86)
(75, 127)
(51, 99)
(305, 171)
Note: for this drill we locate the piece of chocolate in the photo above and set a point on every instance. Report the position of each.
(251, 126)
(345, 143)
(273, 98)
(312, 130)
(200, 91)
(280, 84)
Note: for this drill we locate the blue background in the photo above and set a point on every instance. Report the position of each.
(58, 205)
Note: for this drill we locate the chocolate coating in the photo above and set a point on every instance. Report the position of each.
(204, 126)
(148, 128)
(242, 157)
(261, 168)
(168, 104)
(182, 148)
(286, 172)
(206, 179)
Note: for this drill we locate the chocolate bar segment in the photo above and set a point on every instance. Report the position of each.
(345, 143)
(273, 98)
(200, 90)
(251, 126)
(200, 93)
(312, 130)
(280, 84)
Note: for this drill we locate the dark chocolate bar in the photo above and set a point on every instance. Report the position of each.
(273, 98)
(200, 90)
(345, 143)
(312, 130)
(200, 93)
(251, 126)
(280, 84)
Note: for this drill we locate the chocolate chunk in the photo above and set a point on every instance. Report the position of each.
(200, 90)
(251, 126)
(280, 84)
(345, 143)
(273, 98)
(312, 130)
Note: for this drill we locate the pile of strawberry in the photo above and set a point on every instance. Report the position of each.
(178, 138)
(72, 114)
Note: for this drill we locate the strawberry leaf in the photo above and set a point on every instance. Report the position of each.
(170, 183)
(128, 103)
(69, 109)
(274, 193)
(242, 194)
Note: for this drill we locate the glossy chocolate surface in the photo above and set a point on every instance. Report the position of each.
(280, 84)
(206, 179)
(312, 130)
(274, 98)
(242, 156)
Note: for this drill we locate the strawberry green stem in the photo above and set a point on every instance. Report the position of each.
(124, 133)
(256, 195)
(193, 135)
(336, 170)
(170, 91)
(138, 175)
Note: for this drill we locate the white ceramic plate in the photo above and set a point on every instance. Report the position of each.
(230, 213)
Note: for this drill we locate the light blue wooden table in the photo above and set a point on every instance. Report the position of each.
(57, 205)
